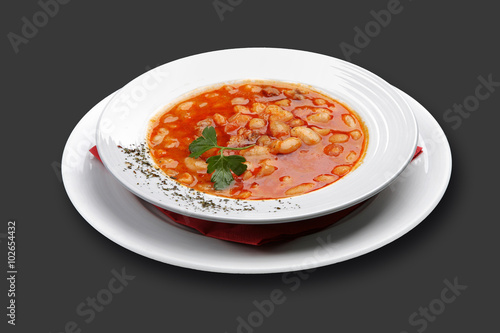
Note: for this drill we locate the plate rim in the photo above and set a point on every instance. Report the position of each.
(270, 217)
(223, 269)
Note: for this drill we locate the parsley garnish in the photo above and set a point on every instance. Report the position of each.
(220, 165)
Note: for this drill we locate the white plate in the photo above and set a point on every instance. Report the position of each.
(139, 227)
(391, 125)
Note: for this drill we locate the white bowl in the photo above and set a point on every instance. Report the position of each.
(390, 122)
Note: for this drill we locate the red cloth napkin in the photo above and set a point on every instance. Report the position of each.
(258, 234)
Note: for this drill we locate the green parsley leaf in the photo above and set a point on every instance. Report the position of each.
(235, 163)
(221, 176)
(215, 162)
(206, 141)
(220, 165)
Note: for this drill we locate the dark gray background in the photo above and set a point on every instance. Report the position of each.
(432, 50)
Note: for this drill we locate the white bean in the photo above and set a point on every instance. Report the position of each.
(204, 187)
(278, 128)
(256, 123)
(307, 135)
(163, 131)
(264, 140)
(254, 89)
(231, 89)
(195, 164)
(325, 178)
(289, 145)
(240, 119)
(244, 194)
(300, 189)
(241, 109)
(239, 100)
(169, 163)
(351, 157)
(255, 151)
(286, 180)
(349, 120)
(170, 119)
(185, 178)
(283, 102)
(356, 134)
(341, 170)
(278, 113)
(157, 139)
(333, 150)
(247, 175)
(297, 122)
(220, 119)
(321, 131)
(266, 170)
(338, 137)
(171, 172)
(320, 117)
(258, 107)
(171, 143)
(185, 106)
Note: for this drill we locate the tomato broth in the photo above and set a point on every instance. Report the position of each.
(303, 140)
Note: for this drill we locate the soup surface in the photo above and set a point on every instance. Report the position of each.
(303, 140)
